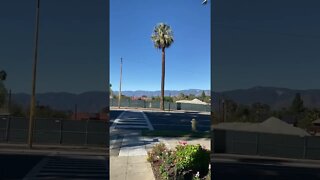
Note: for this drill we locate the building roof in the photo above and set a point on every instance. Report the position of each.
(271, 125)
(316, 121)
(194, 101)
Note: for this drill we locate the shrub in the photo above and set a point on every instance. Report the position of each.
(192, 159)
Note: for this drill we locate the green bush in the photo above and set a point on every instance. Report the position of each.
(192, 159)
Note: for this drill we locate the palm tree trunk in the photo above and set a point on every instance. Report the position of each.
(162, 79)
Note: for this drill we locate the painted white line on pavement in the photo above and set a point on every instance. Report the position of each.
(114, 124)
(134, 122)
(147, 120)
(132, 126)
(35, 170)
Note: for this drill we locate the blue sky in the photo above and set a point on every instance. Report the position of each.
(72, 45)
(266, 43)
(187, 60)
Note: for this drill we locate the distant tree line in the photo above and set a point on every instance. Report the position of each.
(203, 97)
(40, 112)
(230, 111)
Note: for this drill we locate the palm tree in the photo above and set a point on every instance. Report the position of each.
(3, 75)
(162, 38)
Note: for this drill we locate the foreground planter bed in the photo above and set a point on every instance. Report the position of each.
(185, 162)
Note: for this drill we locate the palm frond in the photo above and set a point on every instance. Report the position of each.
(162, 36)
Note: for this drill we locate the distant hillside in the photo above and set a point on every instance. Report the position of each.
(96, 100)
(86, 102)
(273, 96)
(196, 92)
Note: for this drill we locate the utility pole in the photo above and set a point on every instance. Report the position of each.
(33, 98)
(119, 98)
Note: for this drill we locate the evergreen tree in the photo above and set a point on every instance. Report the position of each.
(203, 96)
(297, 105)
(297, 108)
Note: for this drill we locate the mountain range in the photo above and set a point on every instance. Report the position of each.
(94, 101)
(140, 93)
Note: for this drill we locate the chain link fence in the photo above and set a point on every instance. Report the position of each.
(266, 144)
(55, 131)
(170, 106)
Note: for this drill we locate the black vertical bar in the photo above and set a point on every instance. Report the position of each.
(257, 143)
(75, 112)
(9, 117)
(223, 111)
(304, 147)
(61, 130)
(86, 138)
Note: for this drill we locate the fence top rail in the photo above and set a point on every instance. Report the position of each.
(260, 133)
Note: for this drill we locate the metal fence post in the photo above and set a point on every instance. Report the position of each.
(233, 143)
(257, 143)
(304, 147)
(61, 129)
(86, 138)
(9, 118)
(8, 129)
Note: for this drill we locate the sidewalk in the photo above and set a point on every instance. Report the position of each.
(128, 153)
(172, 142)
(128, 156)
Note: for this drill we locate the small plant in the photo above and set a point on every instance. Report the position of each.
(157, 152)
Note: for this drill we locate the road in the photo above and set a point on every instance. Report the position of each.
(16, 166)
(231, 171)
(48, 166)
(229, 167)
(175, 121)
